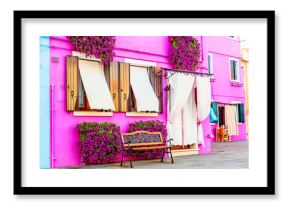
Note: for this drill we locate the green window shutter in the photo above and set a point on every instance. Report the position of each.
(241, 113)
(214, 117)
(214, 107)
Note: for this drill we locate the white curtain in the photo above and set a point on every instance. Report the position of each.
(145, 96)
(189, 120)
(183, 112)
(95, 85)
(203, 97)
(200, 139)
(203, 103)
(231, 119)
(181, 88)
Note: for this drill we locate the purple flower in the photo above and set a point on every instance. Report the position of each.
(96, 148)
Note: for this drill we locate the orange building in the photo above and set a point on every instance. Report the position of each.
(245, 67)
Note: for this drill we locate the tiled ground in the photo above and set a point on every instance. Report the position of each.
(226, 155)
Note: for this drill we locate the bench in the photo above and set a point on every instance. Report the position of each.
(143, 140)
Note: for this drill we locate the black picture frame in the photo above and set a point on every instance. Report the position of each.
(268, 190)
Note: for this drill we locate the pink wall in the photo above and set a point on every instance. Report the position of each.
(65, 136)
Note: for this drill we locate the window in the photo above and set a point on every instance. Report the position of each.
(234, 70)
(115, 78)
(240, 111)
(144, 95)
(210, 63)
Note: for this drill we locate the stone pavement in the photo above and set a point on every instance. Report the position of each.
(226, 155)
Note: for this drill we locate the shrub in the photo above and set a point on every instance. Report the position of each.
(99, 142)
(150, 126)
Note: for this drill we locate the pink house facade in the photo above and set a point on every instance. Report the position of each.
(220, 55)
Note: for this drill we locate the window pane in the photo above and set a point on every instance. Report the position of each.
(232, 70)
(241, 113)
(209, 63)
(81, 92)
(235, 70)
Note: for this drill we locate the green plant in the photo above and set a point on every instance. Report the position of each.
(99, 46)
(99, 142)
(184, 52)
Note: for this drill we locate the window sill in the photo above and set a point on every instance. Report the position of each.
(237, 84)
(92, 113)
(141, 114)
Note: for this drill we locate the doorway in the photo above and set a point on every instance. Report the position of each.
(221, 114)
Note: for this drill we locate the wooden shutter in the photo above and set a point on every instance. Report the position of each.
(114, 83)
(158, 87)
(71, 82)
(124, 82)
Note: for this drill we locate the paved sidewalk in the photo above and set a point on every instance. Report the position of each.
(226, 155)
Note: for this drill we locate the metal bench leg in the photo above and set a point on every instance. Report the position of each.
(122, 157)
(129, 154)
(171, 155)
(162, 155)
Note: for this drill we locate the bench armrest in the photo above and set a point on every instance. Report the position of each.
(129, 142)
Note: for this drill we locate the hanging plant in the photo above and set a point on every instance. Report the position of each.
(184, 52)
(99, 46)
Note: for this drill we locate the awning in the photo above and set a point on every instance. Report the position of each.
(146, 99)
(95, 85)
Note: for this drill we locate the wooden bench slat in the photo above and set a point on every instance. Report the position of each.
(143, 144)
(152, 147)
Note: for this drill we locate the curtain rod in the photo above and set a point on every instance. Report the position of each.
(79, 58)
(223, 103)
(88, 59)
(185, 72)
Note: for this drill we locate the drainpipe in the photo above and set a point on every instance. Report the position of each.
(52, 156)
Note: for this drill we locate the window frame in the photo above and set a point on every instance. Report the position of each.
(237, 116)
(237, 71)
(148, 65)
(86, 107)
